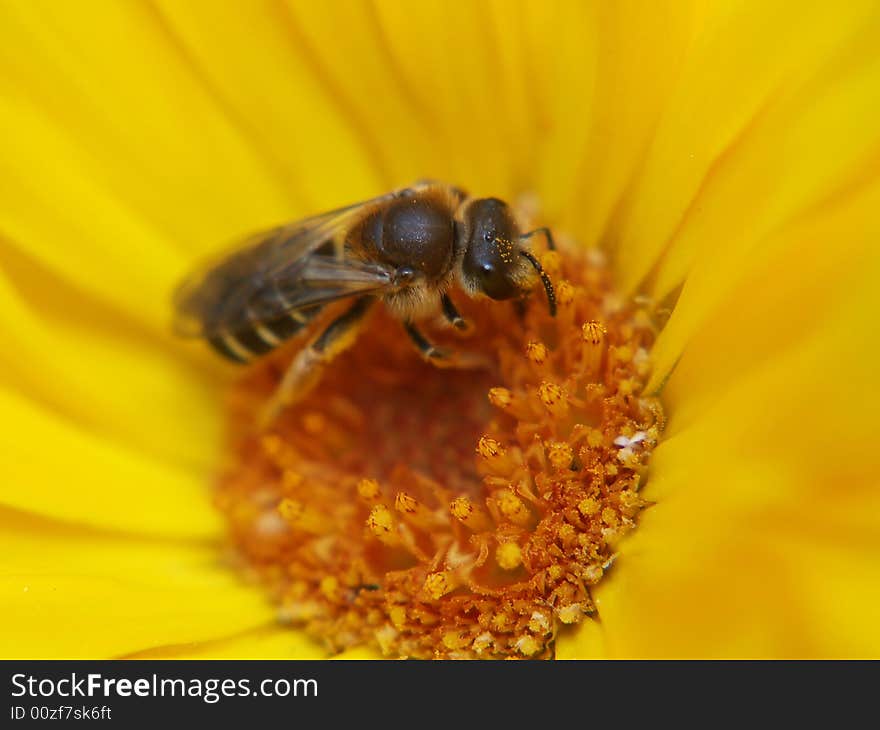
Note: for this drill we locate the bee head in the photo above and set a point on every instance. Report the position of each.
(495, 262)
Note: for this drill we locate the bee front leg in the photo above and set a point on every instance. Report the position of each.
(443, 358)
(305, 370)
(451, 313)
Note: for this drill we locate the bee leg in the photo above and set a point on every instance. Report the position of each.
(451, 313)
(443, 358)
(305, 370)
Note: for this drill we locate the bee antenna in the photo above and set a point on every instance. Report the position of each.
(545, 279)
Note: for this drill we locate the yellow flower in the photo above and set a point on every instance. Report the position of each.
(725, 156)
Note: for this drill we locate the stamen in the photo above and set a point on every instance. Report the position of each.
(452, 513)
(469, 514)
(509, 556)
(382, 525)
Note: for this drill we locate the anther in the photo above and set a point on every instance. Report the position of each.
(470, 515)
(302, 517)
(439, 584)
(508, 556)
(413, 511)
(512, 507)
(553, 398)
(536, 352)
(564, 293)
(560, 454)
(381, 523)
(369, 491)
(593, 348)
(500, 397)
(495, 457)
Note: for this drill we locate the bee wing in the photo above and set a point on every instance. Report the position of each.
(272, 273)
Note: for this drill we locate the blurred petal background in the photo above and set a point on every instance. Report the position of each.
(725, 155)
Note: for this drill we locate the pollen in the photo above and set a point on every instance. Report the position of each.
(501, 397)
(451, 513)
(553, 397)
(509, 556)
(536, 352)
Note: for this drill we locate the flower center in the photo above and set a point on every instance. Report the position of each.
(442, 513)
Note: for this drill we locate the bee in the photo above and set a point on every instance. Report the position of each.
(406, 249)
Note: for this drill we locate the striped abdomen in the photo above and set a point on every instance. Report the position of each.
(254, 340)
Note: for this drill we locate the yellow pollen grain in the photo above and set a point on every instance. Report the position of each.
(369, 490)
(570, 614)
(381, 524)
(496, 459)
(528, 646)
(455, 640)
(406, 503)
(623, 353)
(330, 587)
(413, 511)
(508, 556)
(512, 507)
(593, 332)
(397, 616)
(537, 352)
(566, 533)
(595, 438)
(500, 397)
(469, 514)
(551, 262)
(489, 448)
(553, 398)
(630, 500)
(560, 454)
(501, 622)
(539, 622)
(555, 572)
(439, 584)
(290, 509)
(302, 517)
(564, 293)
(609, 517)
(588, 506)
(482, 642)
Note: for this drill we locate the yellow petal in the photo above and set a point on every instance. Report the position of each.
(266, 642)
(53, 467)
(794, 284)
(584, 641)
(754, 131)
(780, 178)
(451, 112)
(277, 94)
(639, 48)
(55, 211)
(144, 127)
(764, 499)
(68, 593)
(87, 363)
